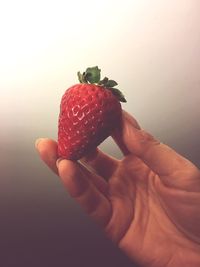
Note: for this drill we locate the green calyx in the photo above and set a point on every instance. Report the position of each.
(93, 76)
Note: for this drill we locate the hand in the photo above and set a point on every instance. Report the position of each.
(148, 203)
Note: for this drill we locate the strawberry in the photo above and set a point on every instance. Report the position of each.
(89, 112)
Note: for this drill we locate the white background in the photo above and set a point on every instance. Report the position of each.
(152, 49)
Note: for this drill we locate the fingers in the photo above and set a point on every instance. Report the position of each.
(88, 189)
(100, 183)
(160, 158)
(84, 191)
(117, 137)
(118, 133)
(98, 161)
(131, 119)
(47, 149)
(101, 163)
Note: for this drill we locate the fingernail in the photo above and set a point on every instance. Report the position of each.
(38, 141)
(58, 161)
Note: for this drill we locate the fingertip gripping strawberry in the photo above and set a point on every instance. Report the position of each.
(89, 112)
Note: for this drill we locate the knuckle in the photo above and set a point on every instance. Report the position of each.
(146, 137)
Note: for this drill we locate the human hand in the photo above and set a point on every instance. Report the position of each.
(148, 203)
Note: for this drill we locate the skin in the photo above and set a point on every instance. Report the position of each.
(148, 203)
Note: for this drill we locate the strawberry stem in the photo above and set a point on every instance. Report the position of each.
(93, 76)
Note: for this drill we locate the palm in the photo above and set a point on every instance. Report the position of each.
(145, 221)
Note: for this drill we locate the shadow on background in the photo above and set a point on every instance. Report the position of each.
(41, 225)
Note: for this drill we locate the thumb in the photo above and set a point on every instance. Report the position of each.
(159, 157)
(118, 135)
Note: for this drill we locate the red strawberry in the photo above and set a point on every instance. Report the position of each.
(89, 112)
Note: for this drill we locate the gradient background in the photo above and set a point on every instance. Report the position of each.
(152, 49)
